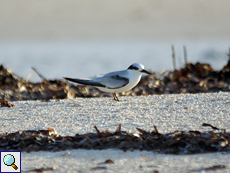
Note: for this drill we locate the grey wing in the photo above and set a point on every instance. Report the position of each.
(85, 82)
(113, 80)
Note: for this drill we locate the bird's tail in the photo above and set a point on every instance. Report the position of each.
(85, 82)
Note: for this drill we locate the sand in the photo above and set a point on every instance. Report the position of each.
(167, 112)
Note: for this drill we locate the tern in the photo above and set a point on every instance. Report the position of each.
(117, 81)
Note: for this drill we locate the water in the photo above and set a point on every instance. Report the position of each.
(84, 59)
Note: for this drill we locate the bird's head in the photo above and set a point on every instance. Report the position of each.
(138, 68)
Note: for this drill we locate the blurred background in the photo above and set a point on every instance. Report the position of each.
(81, 38)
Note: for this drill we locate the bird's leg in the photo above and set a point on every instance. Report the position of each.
(115, 97)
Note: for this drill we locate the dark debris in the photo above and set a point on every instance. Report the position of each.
(98, 168)
(212, 168)
(6, 104)
(40, 170)
(193, 78)
(178, 142)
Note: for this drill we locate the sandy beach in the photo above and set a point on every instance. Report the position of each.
(167, 112)
(106, 35)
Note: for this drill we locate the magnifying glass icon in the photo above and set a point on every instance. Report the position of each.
(9, 160)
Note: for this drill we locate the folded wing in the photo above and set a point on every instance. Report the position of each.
(85, 82)
(112, 81)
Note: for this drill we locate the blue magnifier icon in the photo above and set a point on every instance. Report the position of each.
(9, 160)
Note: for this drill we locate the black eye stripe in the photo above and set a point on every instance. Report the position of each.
(132, 67)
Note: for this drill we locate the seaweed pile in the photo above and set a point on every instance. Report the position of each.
(14, 88)
(178, 142)
(193, 78)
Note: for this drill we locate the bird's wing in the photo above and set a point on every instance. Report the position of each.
(85, 82)
(113, 80)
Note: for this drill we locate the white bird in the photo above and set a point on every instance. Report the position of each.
(117, 81)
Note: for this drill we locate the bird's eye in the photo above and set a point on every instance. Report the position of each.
(133, 68)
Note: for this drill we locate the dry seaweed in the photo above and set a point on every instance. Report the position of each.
(6, 104)
(193, 78)
(212, 168)
(98, 168)
(40, 170)
(178, 142)
(108, 161)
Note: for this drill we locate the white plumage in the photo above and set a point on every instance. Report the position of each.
(116, 82)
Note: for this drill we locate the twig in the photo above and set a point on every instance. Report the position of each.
(173, 57)
(185, 55)
(42, 77)
(119, 128)
(29, 76)
(160, 75)
(229, 54)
